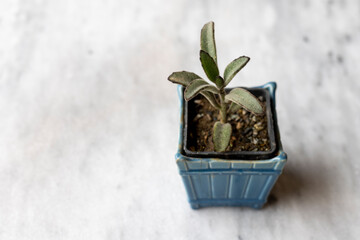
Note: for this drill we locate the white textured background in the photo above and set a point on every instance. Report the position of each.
(89, 123)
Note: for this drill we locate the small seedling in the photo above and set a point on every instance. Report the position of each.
(215, 93)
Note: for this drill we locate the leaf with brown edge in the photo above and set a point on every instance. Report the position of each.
(221, 136)
(184, 78)
(207, 40)
(211, 98)
(196, 86)
(234, 108)
(246, 100)
(209, 66)
(234, 67)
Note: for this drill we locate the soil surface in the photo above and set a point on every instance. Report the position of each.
(249, 132)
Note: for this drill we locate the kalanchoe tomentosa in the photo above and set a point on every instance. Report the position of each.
(215, 94)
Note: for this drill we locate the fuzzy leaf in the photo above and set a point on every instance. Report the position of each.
(221, 136)
(207, 41)
(234, 107)
(196, 86)
(209, 66)
(234, 67)
(219, 82)
(246, 100)
(184, 78)
(211, 98)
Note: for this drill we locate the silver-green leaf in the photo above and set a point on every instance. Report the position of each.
(234, 108)
(221, 136)
(209, 66)
(184, 78)
(211, 98)
(234, 67)
(207, 42)
(219, 82)
(196, 86)
(246, 100)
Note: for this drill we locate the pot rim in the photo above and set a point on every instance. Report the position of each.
(273, 131)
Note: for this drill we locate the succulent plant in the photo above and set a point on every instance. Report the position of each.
(215, 93)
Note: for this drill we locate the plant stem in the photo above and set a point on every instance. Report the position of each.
(223, 106)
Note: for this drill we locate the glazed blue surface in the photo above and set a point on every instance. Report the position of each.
(221, 182)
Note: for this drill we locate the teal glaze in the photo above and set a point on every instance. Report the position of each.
(221, 182)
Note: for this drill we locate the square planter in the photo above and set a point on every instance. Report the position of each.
(230, 181)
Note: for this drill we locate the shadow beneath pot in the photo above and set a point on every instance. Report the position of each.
(287, 186)
(302, 183)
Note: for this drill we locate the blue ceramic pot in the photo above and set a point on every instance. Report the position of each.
(229, 182)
